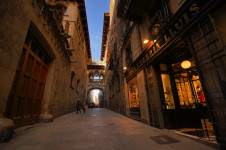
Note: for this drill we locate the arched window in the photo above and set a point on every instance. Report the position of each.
(129, 59)
(101, 78)
(78, 81)
(72, 79)
(96, 77)
(91, 77)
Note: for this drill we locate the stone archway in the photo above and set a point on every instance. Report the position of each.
(95, 96)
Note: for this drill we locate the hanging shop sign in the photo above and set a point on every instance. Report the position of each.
(192, 10)
(108, 57)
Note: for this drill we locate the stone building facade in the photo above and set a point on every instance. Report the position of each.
(96, 75)
(111, 54)
(75, 25)
(39, 80)
(172, 64)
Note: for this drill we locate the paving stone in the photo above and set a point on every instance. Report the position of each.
(107, 131)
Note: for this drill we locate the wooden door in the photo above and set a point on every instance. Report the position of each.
(27, 91)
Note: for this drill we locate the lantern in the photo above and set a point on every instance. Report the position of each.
(186, 64)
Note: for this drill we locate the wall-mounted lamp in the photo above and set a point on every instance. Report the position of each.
(146, 41)
(125, 68)
(186, 64)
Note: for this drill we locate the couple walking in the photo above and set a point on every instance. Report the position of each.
(81, 104)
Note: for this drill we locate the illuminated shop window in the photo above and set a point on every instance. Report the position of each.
(184, 90)
(169, 100)
(189, 87)
(133, 94)
(189, 90)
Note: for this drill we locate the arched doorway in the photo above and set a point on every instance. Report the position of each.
(95, 98)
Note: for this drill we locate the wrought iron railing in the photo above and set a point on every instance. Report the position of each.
(52, 16)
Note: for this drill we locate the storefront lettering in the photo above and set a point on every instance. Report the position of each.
(147, 56)
(168, 35)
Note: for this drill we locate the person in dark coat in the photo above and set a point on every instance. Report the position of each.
(78, 106)
(83, 106)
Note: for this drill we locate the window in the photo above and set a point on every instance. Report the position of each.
(66, 29)
(91, 77)
(117, 83)
(78, 82)
(115, 49)
(72, 79)
(133, 94)
(113, 87)
(169, 100)
(101, 78)
(129, 60)
(96, 78)
(71, 42)
(110, 90)
(65, 11)
(122, 27)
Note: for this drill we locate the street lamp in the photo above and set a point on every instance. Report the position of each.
(146, 41)
(186, 64)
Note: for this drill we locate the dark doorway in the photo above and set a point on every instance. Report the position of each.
(27, 91)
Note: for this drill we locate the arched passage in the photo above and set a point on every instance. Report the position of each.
(95, 97)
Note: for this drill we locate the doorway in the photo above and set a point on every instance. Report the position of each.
(95, 98)
(191, 96)
(25, 99)
(184, 103)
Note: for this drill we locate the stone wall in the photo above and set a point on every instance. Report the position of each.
(118, 97)
(17, 17)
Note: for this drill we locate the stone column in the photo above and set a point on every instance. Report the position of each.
(6, 125)
(6, 128)
(45, 116)
(143, 97)
(126, 97)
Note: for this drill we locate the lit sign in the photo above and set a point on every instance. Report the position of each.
(175, 28)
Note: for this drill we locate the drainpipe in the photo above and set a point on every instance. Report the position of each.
(145, 75)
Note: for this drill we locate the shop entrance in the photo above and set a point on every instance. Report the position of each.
(189, 88)
(184, 105)
(191, 96)
(134, 103)
(25, 99)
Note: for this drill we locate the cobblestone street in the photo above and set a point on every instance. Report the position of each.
(96, 130)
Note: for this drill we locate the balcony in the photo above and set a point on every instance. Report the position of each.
(135, 9)
(121, 8)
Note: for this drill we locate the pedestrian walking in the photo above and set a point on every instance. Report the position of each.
(83, 105)
(78, 106)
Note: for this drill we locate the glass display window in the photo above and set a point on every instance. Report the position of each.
(169, 100)
(189, 87)
(184, 90)
(133, 94)
(200, 98)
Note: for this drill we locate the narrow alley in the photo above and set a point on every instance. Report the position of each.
(96, 130)
(150, 74)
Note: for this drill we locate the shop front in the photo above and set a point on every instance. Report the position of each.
(184, 67)
(183, 101)
(134, 103)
